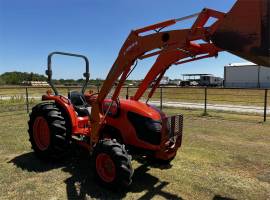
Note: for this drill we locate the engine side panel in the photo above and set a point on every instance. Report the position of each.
(129, 132)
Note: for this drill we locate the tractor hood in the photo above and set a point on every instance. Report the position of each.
(141, 109)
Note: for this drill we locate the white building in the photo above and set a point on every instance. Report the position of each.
(164, 81)
(246, 75)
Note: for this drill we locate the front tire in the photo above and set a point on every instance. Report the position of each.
(112, 164)
(48, 131)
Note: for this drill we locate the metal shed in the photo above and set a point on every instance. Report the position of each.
(246, 75)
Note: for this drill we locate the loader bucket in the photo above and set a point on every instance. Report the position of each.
(245, 31)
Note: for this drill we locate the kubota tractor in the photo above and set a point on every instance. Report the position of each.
(113, 129)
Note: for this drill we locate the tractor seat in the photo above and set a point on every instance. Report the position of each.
(79, 103)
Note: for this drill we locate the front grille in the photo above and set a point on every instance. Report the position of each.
(174, 126)
(147, 129)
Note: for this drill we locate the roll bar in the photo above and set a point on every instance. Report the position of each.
(49, 70)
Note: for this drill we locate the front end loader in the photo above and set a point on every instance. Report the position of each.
(113, 129)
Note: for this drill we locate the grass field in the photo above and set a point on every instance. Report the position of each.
(222, 157)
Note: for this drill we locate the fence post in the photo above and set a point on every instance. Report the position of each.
(205, 101)
(27, 101)
(265, 105)
(161, 98)
(127, 93)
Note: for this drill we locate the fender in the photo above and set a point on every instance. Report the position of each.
(79, 124)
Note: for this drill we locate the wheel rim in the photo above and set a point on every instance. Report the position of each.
(105, 167)
(41, 133)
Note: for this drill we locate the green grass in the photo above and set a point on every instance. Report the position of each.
(223, 155)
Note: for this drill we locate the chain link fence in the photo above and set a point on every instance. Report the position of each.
(237, 100)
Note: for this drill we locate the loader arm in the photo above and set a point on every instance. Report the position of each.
(180, 46)
(192, 52)
(170, 46)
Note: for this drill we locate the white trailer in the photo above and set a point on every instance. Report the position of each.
(210, 80)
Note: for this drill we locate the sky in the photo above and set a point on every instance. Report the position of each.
(31, 29)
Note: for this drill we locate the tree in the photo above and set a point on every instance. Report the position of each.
(2, 82)
(16, 78)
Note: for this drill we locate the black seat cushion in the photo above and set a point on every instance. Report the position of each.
(77, 98)
(82, 111)
(79, 103)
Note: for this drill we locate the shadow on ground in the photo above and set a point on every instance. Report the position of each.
(218, 197)
(82, 182)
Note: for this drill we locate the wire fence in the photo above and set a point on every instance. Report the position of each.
(249, 101)
(237, 100)
(24, 98)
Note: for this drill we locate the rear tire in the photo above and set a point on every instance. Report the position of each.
(112, 164)
(49, 131)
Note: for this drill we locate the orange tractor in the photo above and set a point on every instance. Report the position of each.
(113, 129)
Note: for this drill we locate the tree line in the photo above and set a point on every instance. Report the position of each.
(16, 78)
